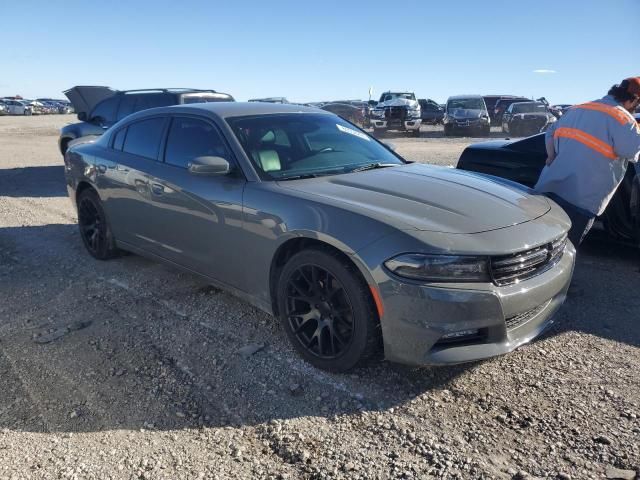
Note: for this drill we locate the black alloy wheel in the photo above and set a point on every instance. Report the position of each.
(319, 311)
(327, 310)
(94, 229)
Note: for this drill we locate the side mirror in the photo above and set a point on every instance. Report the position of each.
(82, 116)
(208, 165)
(390, 146)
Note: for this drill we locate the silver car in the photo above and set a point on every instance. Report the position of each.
(357, 251)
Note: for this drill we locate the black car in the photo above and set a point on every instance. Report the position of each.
(491, 101)
(501, 106)
(430, 111)
(100, 107)
(526, 118)
(522, 161)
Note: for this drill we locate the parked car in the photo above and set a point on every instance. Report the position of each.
(522, 161)
(17, 107)
(526, 118)
(430, 112)
(466, 115)
(100, 107)
(501, 106)
(397, 111)
(351, 113)
(491, 101)
(323, 226)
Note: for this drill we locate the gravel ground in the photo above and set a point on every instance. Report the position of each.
(131, 370)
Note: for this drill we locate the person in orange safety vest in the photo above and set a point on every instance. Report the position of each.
(588, 151)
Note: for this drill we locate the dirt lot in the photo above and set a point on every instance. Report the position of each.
(129, 369)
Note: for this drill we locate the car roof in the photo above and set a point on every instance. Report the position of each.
(240, 109)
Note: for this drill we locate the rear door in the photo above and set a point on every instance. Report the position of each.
(197, 220)
(123, 180)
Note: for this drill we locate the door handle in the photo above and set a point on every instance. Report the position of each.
(157, 188)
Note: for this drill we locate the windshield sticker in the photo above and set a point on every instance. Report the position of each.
(351, 131)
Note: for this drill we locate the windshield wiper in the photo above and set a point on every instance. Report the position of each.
(372, 166)
(299, 177)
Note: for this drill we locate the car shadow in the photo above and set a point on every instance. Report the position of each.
(132, 344)
(46, 181)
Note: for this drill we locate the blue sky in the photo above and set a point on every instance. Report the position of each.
(322, 50)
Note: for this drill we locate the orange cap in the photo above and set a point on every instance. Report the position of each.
(633, 85)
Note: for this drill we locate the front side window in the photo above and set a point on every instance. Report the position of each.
(105, 111)
(317, 144)
(190, 138)
(143, 137)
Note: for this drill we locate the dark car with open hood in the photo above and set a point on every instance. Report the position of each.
(100, 107)
(522, 161)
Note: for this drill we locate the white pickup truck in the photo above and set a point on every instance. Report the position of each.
(397, 111)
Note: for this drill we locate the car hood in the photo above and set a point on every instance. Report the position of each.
(399, 102)
(467, 113)
(84, 98)
(423, 197)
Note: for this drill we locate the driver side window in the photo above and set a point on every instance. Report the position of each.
(190, 138)
(105, 111)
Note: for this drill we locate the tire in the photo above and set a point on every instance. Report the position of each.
(94, 226)
(327, 311)
(416, 133)
(447, 131)
(486, 132)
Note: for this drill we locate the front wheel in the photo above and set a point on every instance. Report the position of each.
(327, 310)
(94, 228)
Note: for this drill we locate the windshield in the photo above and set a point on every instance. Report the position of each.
(390, 96)
(466, 104)
(283, 146)
(531, 107)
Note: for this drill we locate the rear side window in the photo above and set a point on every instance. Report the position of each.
(153, 100)
(143, 138)
(190, 138)
(118, 140)
(143, 101)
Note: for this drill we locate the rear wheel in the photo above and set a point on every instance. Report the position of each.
(327, 311)
(94, 228)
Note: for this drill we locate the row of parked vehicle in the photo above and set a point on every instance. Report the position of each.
(462, 114)
(40, 106)
(100, 107)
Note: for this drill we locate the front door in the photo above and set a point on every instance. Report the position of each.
(197, 220)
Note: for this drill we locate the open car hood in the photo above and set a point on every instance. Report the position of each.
(84, 98)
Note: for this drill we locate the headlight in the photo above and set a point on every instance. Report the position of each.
(447, 119)
(440, 268)
(552, 119)
(378, 113)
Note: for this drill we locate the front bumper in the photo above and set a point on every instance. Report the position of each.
(390, 124)
(418, 316)
(468, 125)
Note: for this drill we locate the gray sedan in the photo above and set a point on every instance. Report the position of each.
(357, 251)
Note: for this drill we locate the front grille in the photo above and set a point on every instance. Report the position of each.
(510, 269)
(524, 317)
(395, 112)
